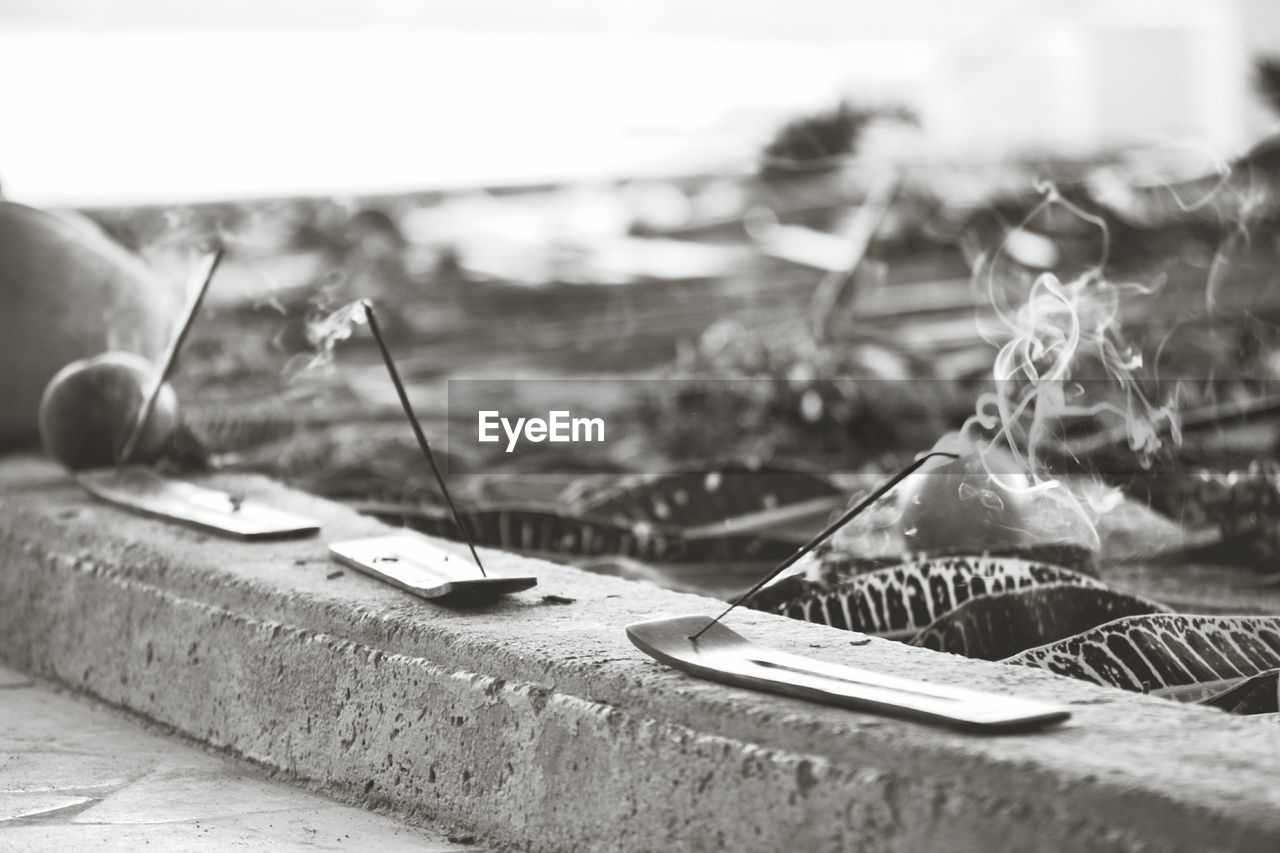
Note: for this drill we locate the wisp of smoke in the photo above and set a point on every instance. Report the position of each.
(337, 326)
(1061, 357)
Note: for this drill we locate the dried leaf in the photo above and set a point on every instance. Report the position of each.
(1182, 657)
(702, 496)
(830, 566)
(899, 601)
(725, 579)
(994, 627)
(1259, 694)
(536, 531)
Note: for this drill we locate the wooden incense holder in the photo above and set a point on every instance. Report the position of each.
(720, 654)
(143, 491)
(425, 570)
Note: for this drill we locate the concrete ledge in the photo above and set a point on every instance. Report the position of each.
(537, 725)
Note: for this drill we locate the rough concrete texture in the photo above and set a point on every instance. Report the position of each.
(75, 774)
(537, 724)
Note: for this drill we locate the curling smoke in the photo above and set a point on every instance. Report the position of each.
(1061, 358)
(331, 329)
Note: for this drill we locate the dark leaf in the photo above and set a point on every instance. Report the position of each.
(1266, 72)
(725, 580)
(817, 572)
(814, 141)
(703, 496)
(536, 531)
(899, 601)
(1259, 694)
(1068, 556)
(994, 627)
(825, 568)
(1182, 657)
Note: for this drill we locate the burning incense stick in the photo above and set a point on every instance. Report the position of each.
(417, 428)
(203, 275)
(827, 532)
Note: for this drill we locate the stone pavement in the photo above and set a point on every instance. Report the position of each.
(75, 774)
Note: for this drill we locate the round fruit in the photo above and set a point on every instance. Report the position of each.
(68, 291)
(90, 406)
(959, 505)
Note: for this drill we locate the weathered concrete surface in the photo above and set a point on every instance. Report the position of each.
(75, 774)
(537, 724)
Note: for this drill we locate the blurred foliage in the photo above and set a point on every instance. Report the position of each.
(1266, 80)
(824, 139)
(562, 281)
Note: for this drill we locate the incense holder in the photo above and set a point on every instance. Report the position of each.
(417, 566)
(723, 655)
(145, 492)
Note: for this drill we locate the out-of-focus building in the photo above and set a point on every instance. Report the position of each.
(142, 99)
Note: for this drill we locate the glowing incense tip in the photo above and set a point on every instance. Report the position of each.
(848, 516)
(417, 427)
(202, 276)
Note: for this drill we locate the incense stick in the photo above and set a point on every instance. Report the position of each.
(827, 532)
(417, 429)
(203, 275)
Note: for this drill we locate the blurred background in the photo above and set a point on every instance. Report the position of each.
(140, 101)
(797, 238)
